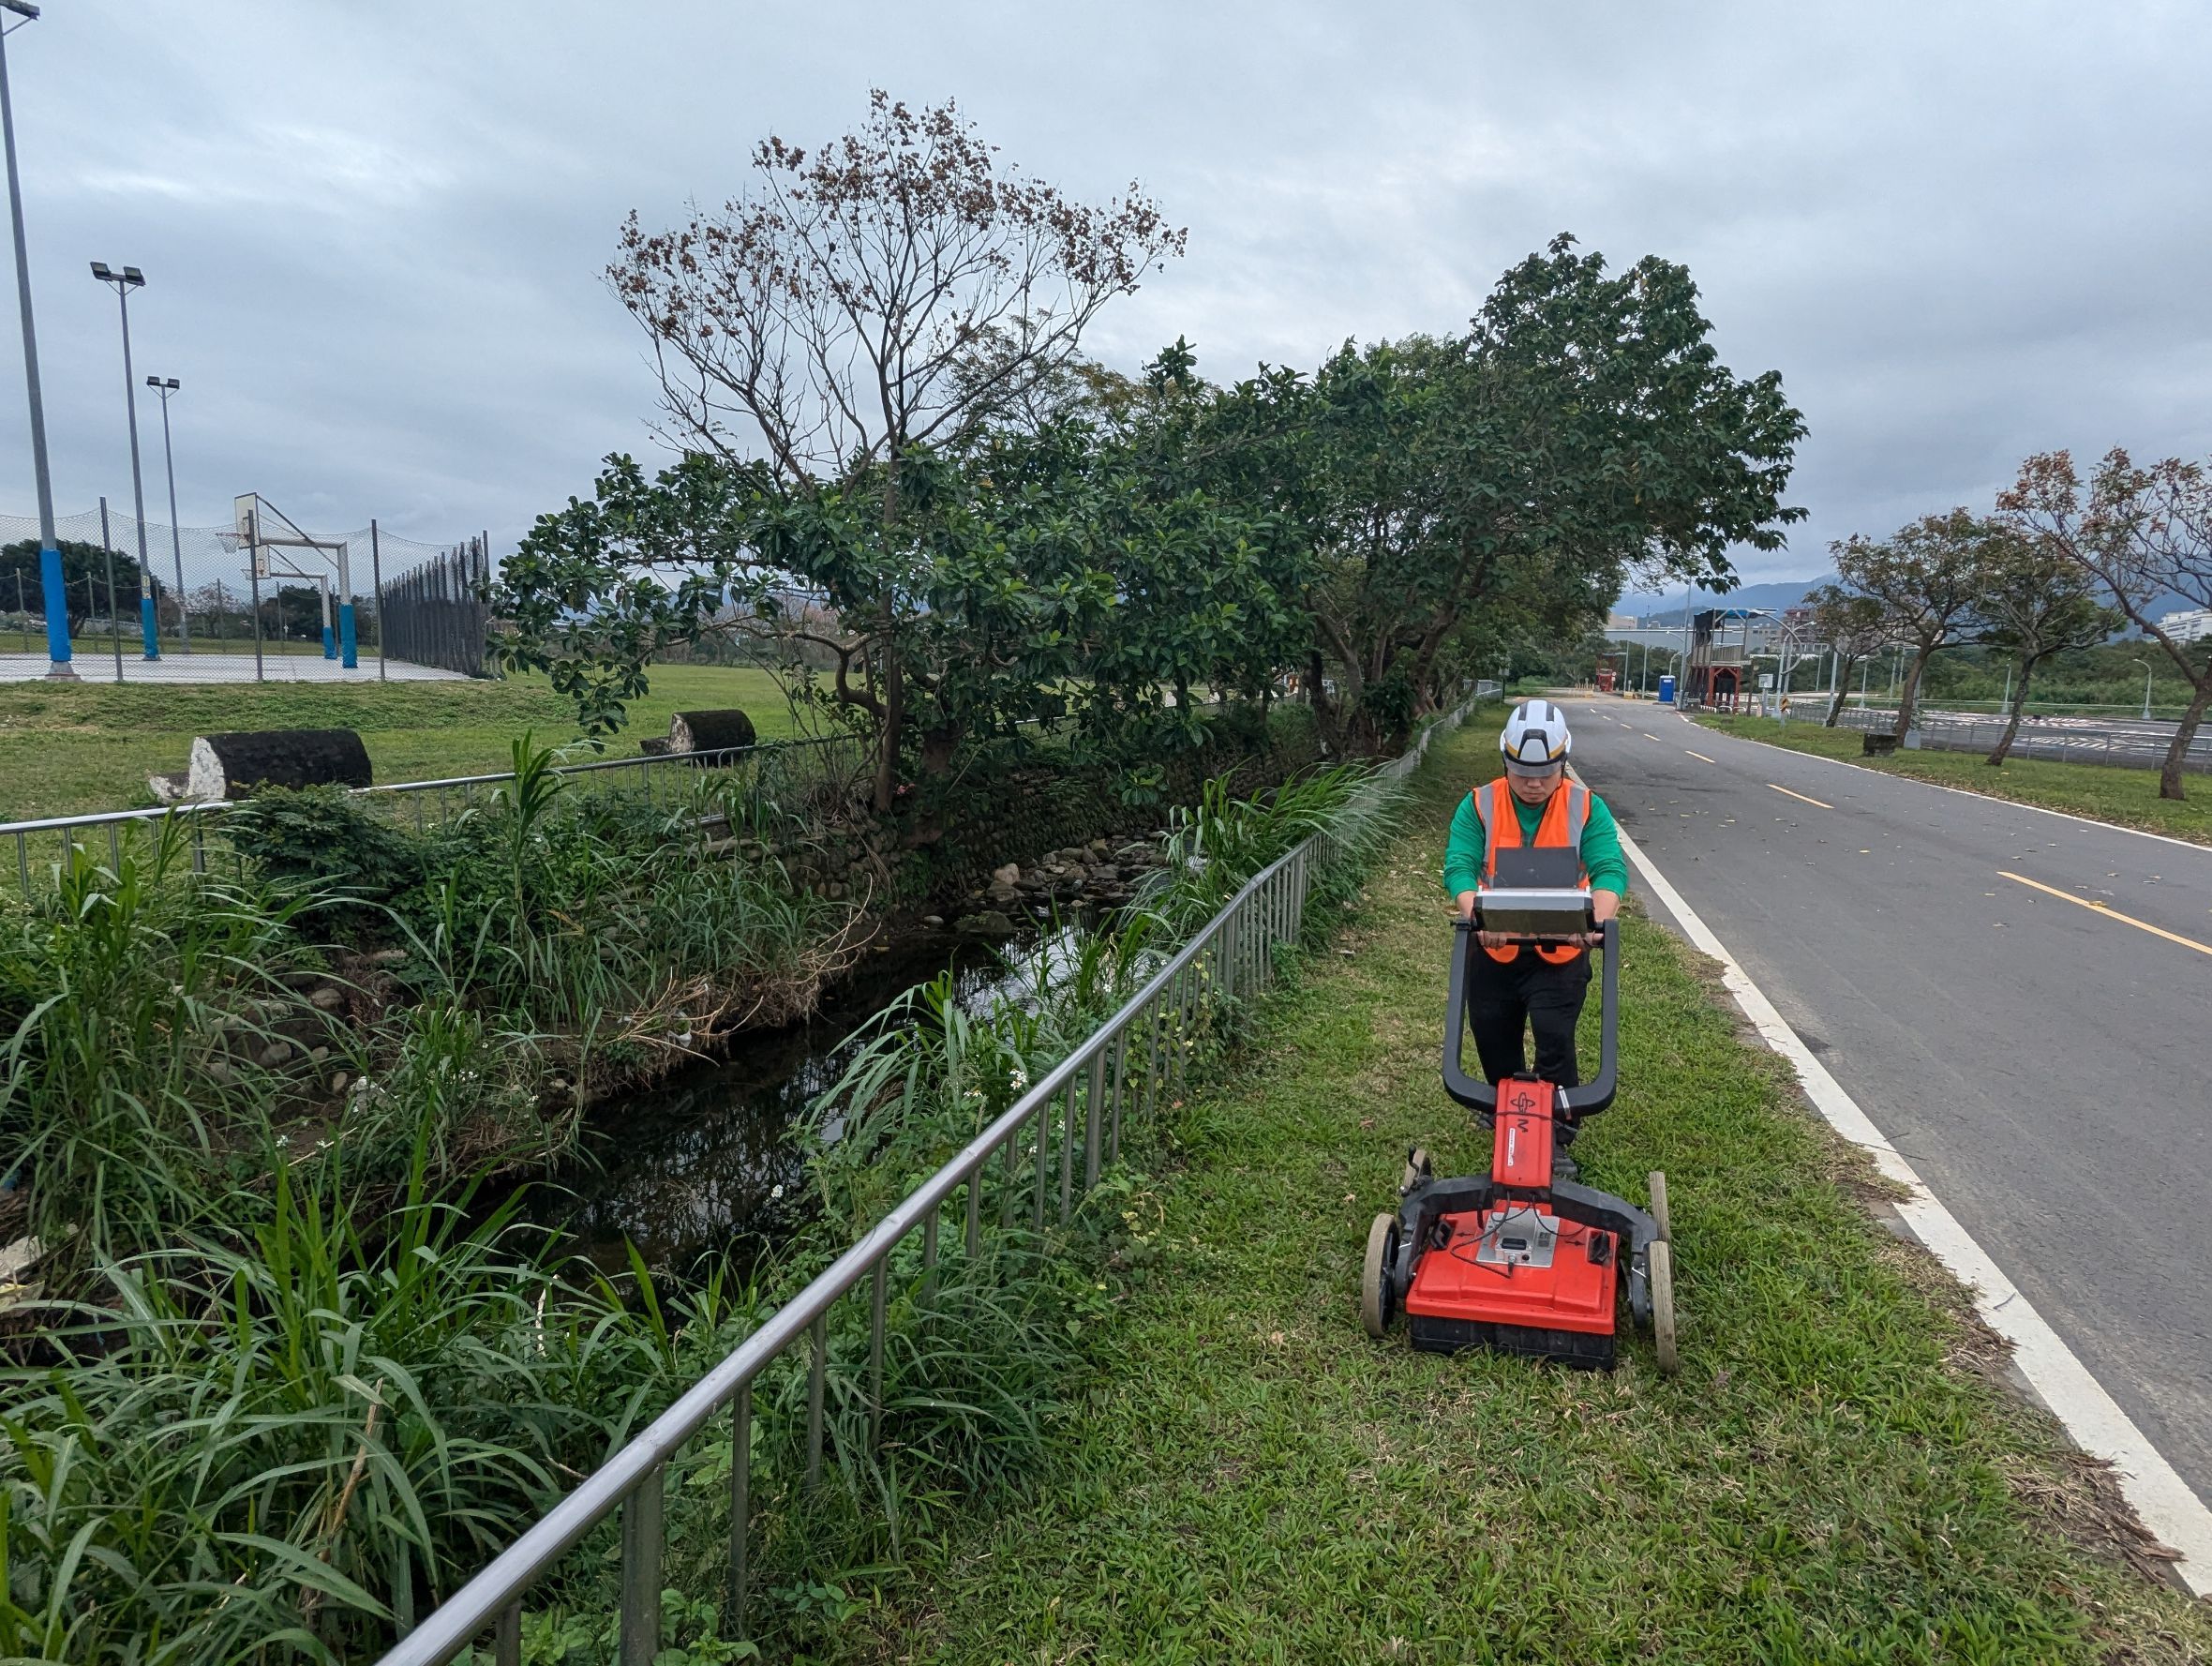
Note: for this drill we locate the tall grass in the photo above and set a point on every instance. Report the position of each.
(285, 1446)
(137, 1003)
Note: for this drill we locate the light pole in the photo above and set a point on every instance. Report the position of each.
(2146, 687)
(176, 546)
(54, 598)
(123, 282)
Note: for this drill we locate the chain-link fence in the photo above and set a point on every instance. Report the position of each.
(196, 610)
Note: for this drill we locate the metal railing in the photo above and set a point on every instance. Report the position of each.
(806, 766)
(1127, 1067)
(2062, 740)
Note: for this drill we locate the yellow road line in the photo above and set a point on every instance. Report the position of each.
(1800, 797)
(2109, 912)
(1700, 757)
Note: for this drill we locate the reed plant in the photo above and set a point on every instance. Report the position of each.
(142, 1009)
(282, 1447)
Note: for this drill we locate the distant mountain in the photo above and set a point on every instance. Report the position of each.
(1774, 596)
(1786, 593)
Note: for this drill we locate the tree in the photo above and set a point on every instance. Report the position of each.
(1928, 578)
(84, 581)
(2036, 603)
(1855, 627)
(2140, 534)
(892, 290)
(1584, 423)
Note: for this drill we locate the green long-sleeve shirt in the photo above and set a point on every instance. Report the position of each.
(1601, 846)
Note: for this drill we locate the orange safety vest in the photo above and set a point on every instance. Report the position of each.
(1567, 813)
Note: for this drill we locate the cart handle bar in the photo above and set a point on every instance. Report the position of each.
(1478, 1094)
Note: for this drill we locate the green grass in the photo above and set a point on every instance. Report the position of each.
(2127, 797)
(66, 749)
(1831, 1478)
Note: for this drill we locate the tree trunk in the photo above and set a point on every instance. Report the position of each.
(1909, 694)
(2169, 777)
(894, 678)
(2004, 746)
(1843, 685)
(230, 766)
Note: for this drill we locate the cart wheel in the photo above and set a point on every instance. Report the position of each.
(1661, 1268)
(1659, 1207)
(1374, 1291)
(1418, 1168)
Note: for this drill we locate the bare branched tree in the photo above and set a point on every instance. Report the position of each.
(1856, 626)
(887, 291)
(2143, 534)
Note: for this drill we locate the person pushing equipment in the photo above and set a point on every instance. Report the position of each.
(1533, 806)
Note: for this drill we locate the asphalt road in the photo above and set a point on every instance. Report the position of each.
(2044, 1065)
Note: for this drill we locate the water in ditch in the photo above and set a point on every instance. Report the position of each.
(703, 1167)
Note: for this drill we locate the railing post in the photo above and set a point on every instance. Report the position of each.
(974, 1213)
(876, 1345)
(507, 1642)
(1066, 1150)
(641, 1572)
(1121, 1086)
(1094, 1110)
(815, 1370)
(740, 1509)
(929, 1258)
(1044, 1148)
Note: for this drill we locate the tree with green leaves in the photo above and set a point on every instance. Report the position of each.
(86, 569)
(1929, 578)
(1855, 627)
(2139, 534)
(2036, 603)
(1583, 426)
(857, 314)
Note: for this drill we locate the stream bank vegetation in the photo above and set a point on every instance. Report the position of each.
(283, 1408)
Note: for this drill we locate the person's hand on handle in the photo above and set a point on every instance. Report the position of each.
(1604, 905)
(1489, 939)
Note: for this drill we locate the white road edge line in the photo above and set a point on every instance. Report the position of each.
(1987, 798)
(2090, 1416)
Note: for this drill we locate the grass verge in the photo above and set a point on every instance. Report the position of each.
(2104, 792)
(1832, 1477)
(69, 749)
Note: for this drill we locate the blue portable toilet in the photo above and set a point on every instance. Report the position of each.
(1667, 689)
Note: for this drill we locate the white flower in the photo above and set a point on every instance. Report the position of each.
(775, 1193)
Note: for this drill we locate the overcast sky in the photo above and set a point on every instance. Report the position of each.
(374, 232)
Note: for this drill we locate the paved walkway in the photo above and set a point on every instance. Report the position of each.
(201, 667)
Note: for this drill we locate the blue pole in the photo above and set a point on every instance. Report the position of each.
(54, 599)
(349, 651)
(330, 646)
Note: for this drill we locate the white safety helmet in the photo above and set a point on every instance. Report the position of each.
(1535, 740)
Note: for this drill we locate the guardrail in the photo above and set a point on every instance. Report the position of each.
(1124, 1068)
(2062, 741)
(431, 803)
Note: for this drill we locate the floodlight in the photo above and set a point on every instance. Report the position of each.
(23, 8)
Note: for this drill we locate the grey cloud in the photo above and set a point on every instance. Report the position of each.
(375, 233)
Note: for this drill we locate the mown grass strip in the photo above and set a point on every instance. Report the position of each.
(2104, 792)
(1829, 1479)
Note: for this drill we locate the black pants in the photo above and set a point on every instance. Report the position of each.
(1504, 998)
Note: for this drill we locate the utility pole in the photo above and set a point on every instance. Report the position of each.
(54, 597)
